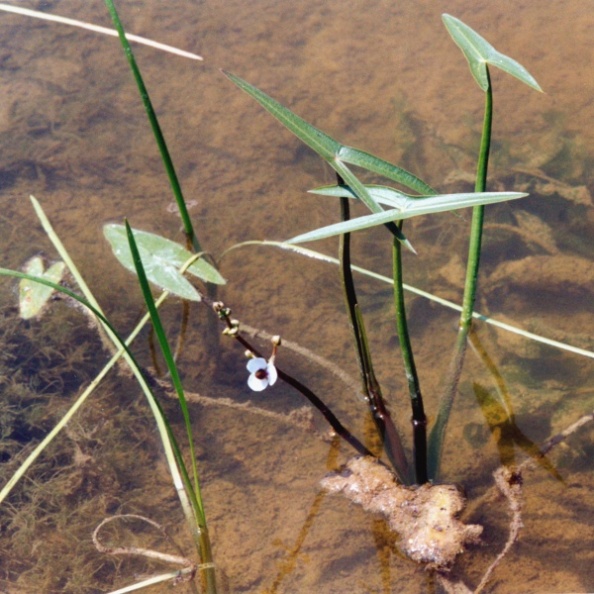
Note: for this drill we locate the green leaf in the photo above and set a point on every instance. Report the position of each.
(317, 140)
(479, 52)
(361, 191)
(335, 153)
(376, 165)
(377, 193)
(162, 259)
(408, 209)
(33, 296)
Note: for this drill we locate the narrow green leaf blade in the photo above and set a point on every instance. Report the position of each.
(156, 127)
(479, 52)
(382, 194)
(317, 140)
(143, 279)
(441, 203)
(374, 164)
(162, 259)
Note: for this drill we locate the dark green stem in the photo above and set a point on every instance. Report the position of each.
(437, 437)
(419, 420)
(350, 295)
(371, 388)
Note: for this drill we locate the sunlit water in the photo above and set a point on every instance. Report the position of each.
(384, 77)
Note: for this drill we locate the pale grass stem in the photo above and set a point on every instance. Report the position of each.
(98, 29)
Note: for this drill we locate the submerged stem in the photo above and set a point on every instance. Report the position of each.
(437, 436)
(419, 420)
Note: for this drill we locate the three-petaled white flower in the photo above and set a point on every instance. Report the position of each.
(262, 373)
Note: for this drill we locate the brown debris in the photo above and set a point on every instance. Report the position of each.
(424, 517)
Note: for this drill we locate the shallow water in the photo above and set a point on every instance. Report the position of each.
(384, 77)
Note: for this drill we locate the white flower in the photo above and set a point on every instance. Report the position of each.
(262, 374)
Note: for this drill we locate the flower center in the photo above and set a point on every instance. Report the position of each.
(261, 374)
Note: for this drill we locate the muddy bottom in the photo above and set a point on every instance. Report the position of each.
(386, 79)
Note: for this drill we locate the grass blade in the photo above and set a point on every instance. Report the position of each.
(163, 342)
(203, 538)
(160, 139)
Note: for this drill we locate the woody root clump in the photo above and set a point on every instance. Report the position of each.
(425, 517)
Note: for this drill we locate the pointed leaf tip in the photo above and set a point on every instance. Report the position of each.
(429, 205)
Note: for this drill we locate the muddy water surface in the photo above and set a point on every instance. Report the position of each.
(384, 77)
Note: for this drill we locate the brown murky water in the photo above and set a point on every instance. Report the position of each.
(384, 77)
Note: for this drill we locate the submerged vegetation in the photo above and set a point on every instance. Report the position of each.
(396, 472)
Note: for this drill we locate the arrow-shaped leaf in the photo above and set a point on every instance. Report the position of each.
(329, 149)
(337, 154)
(33, 297)
(319, 141)
(361, 192)
(162, 259)
(479, 52)
(412, 208)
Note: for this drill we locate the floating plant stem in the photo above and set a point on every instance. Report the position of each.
(296, 249)
(97, 29)
(326, 412)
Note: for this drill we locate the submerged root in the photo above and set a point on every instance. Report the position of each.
(188, 567)
(509, 484)
(424, 517)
